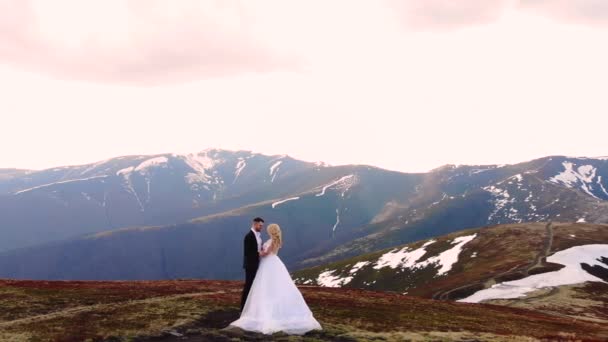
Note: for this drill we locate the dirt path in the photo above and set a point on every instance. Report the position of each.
(541, 258)
(86, 308)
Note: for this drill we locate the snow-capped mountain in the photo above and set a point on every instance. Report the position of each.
(40, 206)
(452, 198)
(187, 212)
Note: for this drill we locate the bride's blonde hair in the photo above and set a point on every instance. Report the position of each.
(277, 237)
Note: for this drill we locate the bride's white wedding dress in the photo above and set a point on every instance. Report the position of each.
(274, 302)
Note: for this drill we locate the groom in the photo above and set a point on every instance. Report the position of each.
(251, 258)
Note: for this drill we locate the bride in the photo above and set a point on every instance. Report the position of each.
(274, 302)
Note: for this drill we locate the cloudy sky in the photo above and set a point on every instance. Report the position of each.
(402, 84)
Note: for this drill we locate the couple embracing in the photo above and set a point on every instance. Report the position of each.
(271, 302)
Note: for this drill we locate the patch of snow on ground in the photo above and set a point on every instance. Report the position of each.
(448, 258)
(125, 172)
(239, 168)
(587, 172)
(274, 166)
(153, 162)
(337, 220)
(148, 185)
(502, 198)
(476, 171)
(344, 183)
(572, 273)
(359, 266)
(599, 181)
(328, 279)
(131, 190)
(570, 177)
(61, 182)
(532, 206)
(572, 235)
(567, 177)
(430, 242)
(275, 204)
(274, 170)
(404, 258)
(442, 198)
(202, 165)
(91, 167)
(581, 220)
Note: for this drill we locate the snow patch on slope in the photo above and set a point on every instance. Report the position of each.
(275, 204)
(501, 200)
(150, 163)
(599, 181)
(202, 165)
(358, 266)
(126, 171)
(337, 221)
(571, 177)
(126, 174)
(328, 279)
(404, 258)
(572, 273)
(239, 168)
(274, 170)
(55, 183)
(448, 258)
(344, 184)
(88, 169)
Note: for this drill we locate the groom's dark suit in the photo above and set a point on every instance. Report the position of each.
(251, 261)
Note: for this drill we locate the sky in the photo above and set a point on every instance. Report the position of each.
(406, 85)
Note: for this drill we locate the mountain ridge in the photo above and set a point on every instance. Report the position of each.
(328, 213)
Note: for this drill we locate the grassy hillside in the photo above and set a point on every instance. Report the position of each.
(493, 254)
(195, 310)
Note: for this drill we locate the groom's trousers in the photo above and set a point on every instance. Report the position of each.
(249, 277)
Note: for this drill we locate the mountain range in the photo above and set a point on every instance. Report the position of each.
(183, 216)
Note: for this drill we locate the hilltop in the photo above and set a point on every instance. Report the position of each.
(560, 268)
(195, 310)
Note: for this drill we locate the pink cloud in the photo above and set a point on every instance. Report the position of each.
(452, 14)
(135, 41)
(448, 14)
(588, 12)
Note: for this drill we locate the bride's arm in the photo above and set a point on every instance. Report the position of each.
(266, 250)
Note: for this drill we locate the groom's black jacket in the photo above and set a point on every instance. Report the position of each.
(251, 257)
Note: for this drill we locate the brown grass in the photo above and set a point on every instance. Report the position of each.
(95, 311)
